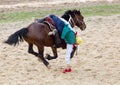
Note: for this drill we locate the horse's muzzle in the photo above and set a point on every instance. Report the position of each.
(83, 27)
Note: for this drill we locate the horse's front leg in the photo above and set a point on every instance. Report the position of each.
(73, 51)
(54, 50)
(30, 49)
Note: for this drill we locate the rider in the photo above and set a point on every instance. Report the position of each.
(68, 35)
(65, 32)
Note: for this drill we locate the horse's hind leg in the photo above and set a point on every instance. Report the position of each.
(30, 49)
(41, 56)
(54, 49)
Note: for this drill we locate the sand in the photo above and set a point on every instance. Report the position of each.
(97, 61)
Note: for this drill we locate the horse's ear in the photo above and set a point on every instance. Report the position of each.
(79, 12)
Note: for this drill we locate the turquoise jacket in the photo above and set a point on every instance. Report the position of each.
(68, 35)
(64, 29)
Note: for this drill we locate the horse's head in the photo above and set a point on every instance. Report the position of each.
(75, 18)
(79, 19)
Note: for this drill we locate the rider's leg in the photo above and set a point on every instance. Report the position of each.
(57, 39)
(67, 58)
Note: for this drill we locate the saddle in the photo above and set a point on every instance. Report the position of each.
(48, 21)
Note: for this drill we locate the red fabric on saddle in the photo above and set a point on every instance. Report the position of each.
(49, 20)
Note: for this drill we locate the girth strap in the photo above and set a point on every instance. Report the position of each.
(51, 27)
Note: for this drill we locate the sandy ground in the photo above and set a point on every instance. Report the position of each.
(97, 61)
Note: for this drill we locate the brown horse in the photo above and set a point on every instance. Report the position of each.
(37, 34)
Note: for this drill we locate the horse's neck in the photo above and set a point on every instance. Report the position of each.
(70, 20)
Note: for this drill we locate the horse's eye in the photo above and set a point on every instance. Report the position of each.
(82, 17)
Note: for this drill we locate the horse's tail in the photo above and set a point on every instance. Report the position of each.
(16, 37)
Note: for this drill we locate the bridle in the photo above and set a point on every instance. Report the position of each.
(72, 21)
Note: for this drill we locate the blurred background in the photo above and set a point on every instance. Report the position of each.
(3, 2)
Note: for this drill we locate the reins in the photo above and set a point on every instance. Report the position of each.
(71, 21)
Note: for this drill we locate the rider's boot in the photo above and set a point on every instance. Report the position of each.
(57, 39)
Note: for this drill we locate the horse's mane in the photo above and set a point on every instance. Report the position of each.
(77, 12)
(67, 14)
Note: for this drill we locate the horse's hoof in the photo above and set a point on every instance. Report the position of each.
(48, 57)
(48, 66)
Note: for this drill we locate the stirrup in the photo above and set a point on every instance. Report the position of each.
(53, 32)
